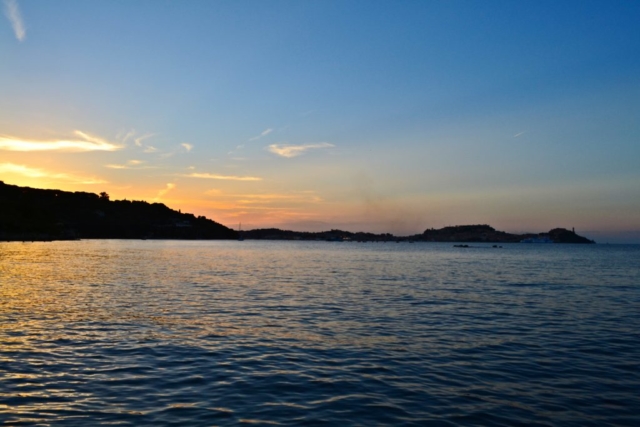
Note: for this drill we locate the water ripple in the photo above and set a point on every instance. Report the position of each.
(227, 333)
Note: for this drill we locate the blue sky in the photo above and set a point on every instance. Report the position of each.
(363, 115)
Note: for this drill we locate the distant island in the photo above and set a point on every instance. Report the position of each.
(30, 214)
(455, 234)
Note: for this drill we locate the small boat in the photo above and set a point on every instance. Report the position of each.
(240, 238)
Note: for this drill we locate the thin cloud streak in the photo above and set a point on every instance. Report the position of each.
(89, 143)
(124, 138)
(262, 134)
(138, 140)
(223, 177)
(12, 12)
(290, 151)
(131, 164)
(12, 168)
(265, 201)
(170, 186)
(277, 196)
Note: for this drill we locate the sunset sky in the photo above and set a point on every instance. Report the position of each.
(383, 116)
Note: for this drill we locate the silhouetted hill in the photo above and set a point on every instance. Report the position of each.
(485, 233)
(333, 235)
(468, 233)
(561, 235)
(35, 214)
(456, 234)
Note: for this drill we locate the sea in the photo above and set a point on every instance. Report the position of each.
(292, 333)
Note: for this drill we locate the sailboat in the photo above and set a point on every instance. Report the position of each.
(240, 238)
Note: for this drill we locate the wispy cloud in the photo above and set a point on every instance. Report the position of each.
(276, 197)
(239, 147)
(12, 12)
(265, 199)
(138, 140)
(124, 137)
(289, 151)
(519, 134)
(11, 168)
(87, 143)
(223, 177)
(262, 134)
(170, 186)
(268, 196)
(187, 146)
(131, 164)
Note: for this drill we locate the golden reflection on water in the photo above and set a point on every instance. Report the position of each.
(96, 290)
(190, 290)
(46, 285)
(79, 320)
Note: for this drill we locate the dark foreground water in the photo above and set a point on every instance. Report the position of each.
(226, 333)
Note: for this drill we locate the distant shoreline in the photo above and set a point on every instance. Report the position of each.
(31, 214)
(457, 234)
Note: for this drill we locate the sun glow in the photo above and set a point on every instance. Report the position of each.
(36, 173)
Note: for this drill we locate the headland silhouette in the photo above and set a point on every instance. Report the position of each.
(30, 214)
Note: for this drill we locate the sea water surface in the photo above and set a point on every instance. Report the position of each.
(157, 333)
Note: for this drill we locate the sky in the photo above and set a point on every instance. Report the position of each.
(381, 116)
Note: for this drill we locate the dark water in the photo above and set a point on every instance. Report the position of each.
(226, 333)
